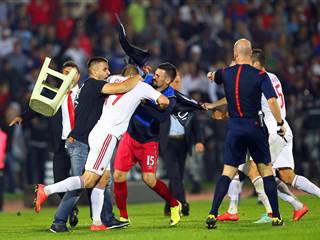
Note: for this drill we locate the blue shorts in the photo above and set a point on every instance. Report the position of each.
(245, 134)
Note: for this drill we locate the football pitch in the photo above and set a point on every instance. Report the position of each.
(149, 223)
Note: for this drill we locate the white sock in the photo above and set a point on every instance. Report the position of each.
(305, 185)
(97, 198)
(233, 193)
(258, 185)
(69, 184)
(296, 204)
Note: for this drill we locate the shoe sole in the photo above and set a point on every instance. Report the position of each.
(51, 230)
(56, 232)
(35, 200)
(228, 220)
(119, 226)
(73, 226)
(278, 225)
(262, 222)
(211, 225)
(175, 224)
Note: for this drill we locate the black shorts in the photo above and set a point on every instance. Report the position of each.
(246, 134)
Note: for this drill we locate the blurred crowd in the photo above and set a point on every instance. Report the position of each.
(195, 35)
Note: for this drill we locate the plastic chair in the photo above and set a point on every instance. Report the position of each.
(44, 104)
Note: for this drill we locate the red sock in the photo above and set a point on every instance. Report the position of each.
(120, 195)
(163, 191)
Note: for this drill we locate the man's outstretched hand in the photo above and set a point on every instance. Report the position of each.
(16, 120)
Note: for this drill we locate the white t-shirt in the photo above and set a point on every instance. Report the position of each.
(66, 127)
(118, 109)
(268, 117)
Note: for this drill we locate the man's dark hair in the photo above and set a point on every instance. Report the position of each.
(258, 56)
(70, 64)
(129, 70)
(95, 60)
(170, 70)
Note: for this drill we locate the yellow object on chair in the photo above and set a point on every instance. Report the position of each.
(46, 105)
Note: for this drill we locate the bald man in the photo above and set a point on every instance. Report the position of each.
(244, 86)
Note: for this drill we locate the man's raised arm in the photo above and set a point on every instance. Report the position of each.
(123, 87)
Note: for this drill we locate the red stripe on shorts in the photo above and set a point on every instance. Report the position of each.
(102, 151)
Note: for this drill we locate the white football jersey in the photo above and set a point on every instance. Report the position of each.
(268, 118)
(118, 109)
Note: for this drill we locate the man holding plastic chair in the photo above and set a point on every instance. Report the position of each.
(61, 125)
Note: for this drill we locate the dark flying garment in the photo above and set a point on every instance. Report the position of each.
(136, 55)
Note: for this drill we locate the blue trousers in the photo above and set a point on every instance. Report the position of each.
(78, 153)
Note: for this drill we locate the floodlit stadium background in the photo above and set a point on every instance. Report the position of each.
(197, 36)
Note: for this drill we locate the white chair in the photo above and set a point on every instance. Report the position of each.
(43, 104)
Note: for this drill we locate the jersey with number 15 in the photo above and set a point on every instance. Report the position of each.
(268, 118)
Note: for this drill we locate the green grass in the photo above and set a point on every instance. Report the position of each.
(148, 223)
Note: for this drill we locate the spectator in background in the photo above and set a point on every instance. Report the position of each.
(18, 60)
(111, 7)
(39, 10)
(3, 12)
(37, 150)
(103, 47)
(14, 79)
(155, 30)
(6, 43)
(84, 40)
(137, 15)
(195, 84)
(178, 50)
(4, 97)
(58, 127)
(51, 38)
(176, 142)
(64, 25)
(24, 35)
(3, 144)
(15, 151)
(76, 53)
(288, 32)
(117, 62)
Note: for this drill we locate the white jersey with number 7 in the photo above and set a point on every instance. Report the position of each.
(113, 122)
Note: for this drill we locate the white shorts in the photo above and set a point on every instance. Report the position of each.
(244, 167)
(281, 151)
(101, 150)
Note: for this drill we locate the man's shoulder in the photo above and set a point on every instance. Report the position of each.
(169, 92)
(116, 79)
(272, 76)
(252, 69)
(92, 83)
(244, 67)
